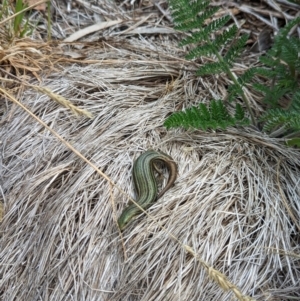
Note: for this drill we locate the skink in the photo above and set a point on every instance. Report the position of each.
(145, 183)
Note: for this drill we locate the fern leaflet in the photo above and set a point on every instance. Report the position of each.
(202, 117)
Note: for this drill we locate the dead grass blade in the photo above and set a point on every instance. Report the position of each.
(217, 276)
(232, 235)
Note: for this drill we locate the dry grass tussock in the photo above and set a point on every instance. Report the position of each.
(234, 210)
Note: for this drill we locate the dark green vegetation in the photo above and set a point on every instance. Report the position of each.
(216, 116)
(280, 68)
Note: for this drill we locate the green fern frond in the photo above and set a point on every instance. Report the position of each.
(279, 118)
(205, 49)
(281, 69)
(202, 117)
(239, 113)
(247, 76)
(215, 25)
(208, 48)
(265, 72)
(226, 37)
(290, 52)
(282, 41)
(235, 50)
(193, 16)
(219, 112)
(233, 91)
(182, 8)
(262, 88)
(272, 95)
(197, 22)
(294, 122)
(295, 102)
(211, 68)
(237, 89)
(283, 33)
(269, 60)
(203, 34)
(204, 112)
(285, 48)
(272, 124)
(186, 18)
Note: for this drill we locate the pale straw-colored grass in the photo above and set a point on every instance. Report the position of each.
(59, 236)
(228, 229)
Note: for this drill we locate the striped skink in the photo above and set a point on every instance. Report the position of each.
(145, 183)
